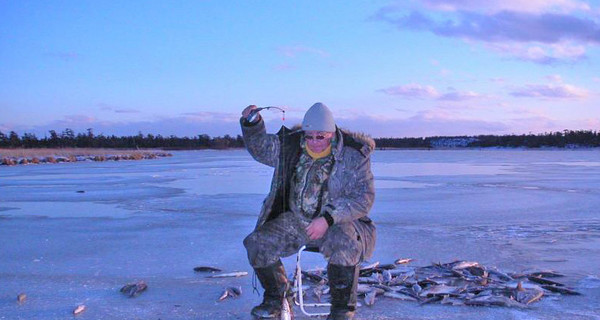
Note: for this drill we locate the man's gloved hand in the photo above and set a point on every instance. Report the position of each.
(317, 228)
(246, 112)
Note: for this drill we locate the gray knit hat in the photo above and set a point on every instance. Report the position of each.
(318, 118)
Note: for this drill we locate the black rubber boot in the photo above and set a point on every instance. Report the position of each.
(343, 282)
(273, 280)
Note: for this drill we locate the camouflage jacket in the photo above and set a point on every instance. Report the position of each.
(350, 185)
(309, 186)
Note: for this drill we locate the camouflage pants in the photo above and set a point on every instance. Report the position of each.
(283, 236)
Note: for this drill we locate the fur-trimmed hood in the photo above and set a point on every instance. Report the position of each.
(358, 140)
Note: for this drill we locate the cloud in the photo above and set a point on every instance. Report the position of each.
(459, 96)
(293, 51)
(540, 53)
(107, 107)
(498, 80)
(189, 124)
(538, 31)
(206, 116)
(438, 123)
(5, 128)
(568, 51)
(425, 123)
(554, 78)
(412, 90)
(501, 26)
(535, 124)
(418, 91)
(127, 111)
(460, 108)
(550, 91)
(592, 123)
(532, 6)
(77, 118)
(434, 122)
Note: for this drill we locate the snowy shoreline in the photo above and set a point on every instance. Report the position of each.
(11, 157)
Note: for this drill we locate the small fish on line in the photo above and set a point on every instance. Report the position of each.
(79, 310)
(399, 296)
(370, 298)
(207, 269)
(490, 300)
(233, 292)
(370, 266)
(527, 296)
(134, 289)
(286, 310)
(544, 281)
(561, 290)
(546, 274)
(403, 261)
(223, 296)
(387, 276)
(229, 275)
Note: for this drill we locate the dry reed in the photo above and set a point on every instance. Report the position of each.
(70, 152)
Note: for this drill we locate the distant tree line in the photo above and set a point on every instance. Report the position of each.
(68, 139)
(564, 139)
(409, 143)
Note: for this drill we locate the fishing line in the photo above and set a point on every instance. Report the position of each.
(284, 183)
(251, 118)
(285, 307)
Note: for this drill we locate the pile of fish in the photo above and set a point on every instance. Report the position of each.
(455, 283)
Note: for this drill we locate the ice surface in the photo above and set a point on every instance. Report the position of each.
(74, 233)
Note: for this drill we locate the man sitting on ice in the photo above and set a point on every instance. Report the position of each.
(321, 193)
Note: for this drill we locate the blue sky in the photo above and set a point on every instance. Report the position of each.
(405, 68)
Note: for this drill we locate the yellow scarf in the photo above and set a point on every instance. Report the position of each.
(319, 155)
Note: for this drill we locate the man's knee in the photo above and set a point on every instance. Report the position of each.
(342, 245)
(261, 249)
(252, 247)
(250, 241)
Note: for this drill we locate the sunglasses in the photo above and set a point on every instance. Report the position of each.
(310, 138)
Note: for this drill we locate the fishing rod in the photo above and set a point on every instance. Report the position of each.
(254, 113)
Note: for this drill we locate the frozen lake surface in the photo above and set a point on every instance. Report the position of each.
(74, 233)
